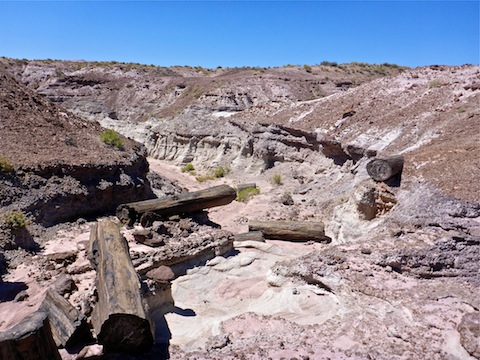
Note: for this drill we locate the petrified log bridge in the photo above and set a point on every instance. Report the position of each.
(386, 168)
(120, 320)
(182, 203)
(290, 230)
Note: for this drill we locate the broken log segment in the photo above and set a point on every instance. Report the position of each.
(68, 325)
(250, 236)
(182, 203)
(290, 230)
(31, 339)
(386, 168)
(119, 318)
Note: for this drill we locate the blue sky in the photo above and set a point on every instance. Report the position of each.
(243, 33)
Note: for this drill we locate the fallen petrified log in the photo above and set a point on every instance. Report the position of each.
(31, 339)
(68, 325)
(290, 230)
(250, 236)
(386, 168)
(178, 204)
(120, 319)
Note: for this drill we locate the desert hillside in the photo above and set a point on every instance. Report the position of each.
(367, 268)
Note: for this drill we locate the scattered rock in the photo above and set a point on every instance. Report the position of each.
(64, 258)
(469, 329)
(287, 199)
(161, 274)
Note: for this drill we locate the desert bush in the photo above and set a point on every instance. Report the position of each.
(110, 137)
(5, 165)
(14, 220)
(188, 168)
(245, 195)
(329, 63)
(434, 84)
(277, 179)
(307, 68)
(219, 172)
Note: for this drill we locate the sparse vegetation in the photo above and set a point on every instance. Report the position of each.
(434, 84)
(14, 220)
(307, 68)
(188, 168)
(329, 63)
(277, 179)
(219, 172)
(5, 165)
(245, 195)
(110, 137)
(460, 110)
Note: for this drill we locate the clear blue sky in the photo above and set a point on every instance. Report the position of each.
(243, 33)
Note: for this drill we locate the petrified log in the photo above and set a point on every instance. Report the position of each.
(250, 236)
(31, 339)
(178, 204)
(290, 230)
(120, 319)
(384, 169)
(68, 325)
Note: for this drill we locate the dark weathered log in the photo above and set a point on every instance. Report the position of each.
(68, 325)
(290, 230)
(241, 187)
(250, 236)
(120, 320)
(178, 204)
(31, 339)
(386, 168)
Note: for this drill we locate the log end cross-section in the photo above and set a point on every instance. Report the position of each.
(384, 169)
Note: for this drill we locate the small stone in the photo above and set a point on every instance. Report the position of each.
(141, 236)
(286, 199)
(365, 251)
(162, 274)
(66, 257)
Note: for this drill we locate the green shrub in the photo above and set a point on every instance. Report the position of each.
(245, 195)
(220, 172)
(329, 63)
(5, 165)
(277, 179)
(307, 68)
(110, 137)
(14, 220)
(188, 168)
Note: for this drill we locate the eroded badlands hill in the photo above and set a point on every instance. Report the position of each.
(57, 168)
(399, 279)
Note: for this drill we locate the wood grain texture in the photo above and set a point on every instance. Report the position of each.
(290, 230)
(120, 319)
(182, 203)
